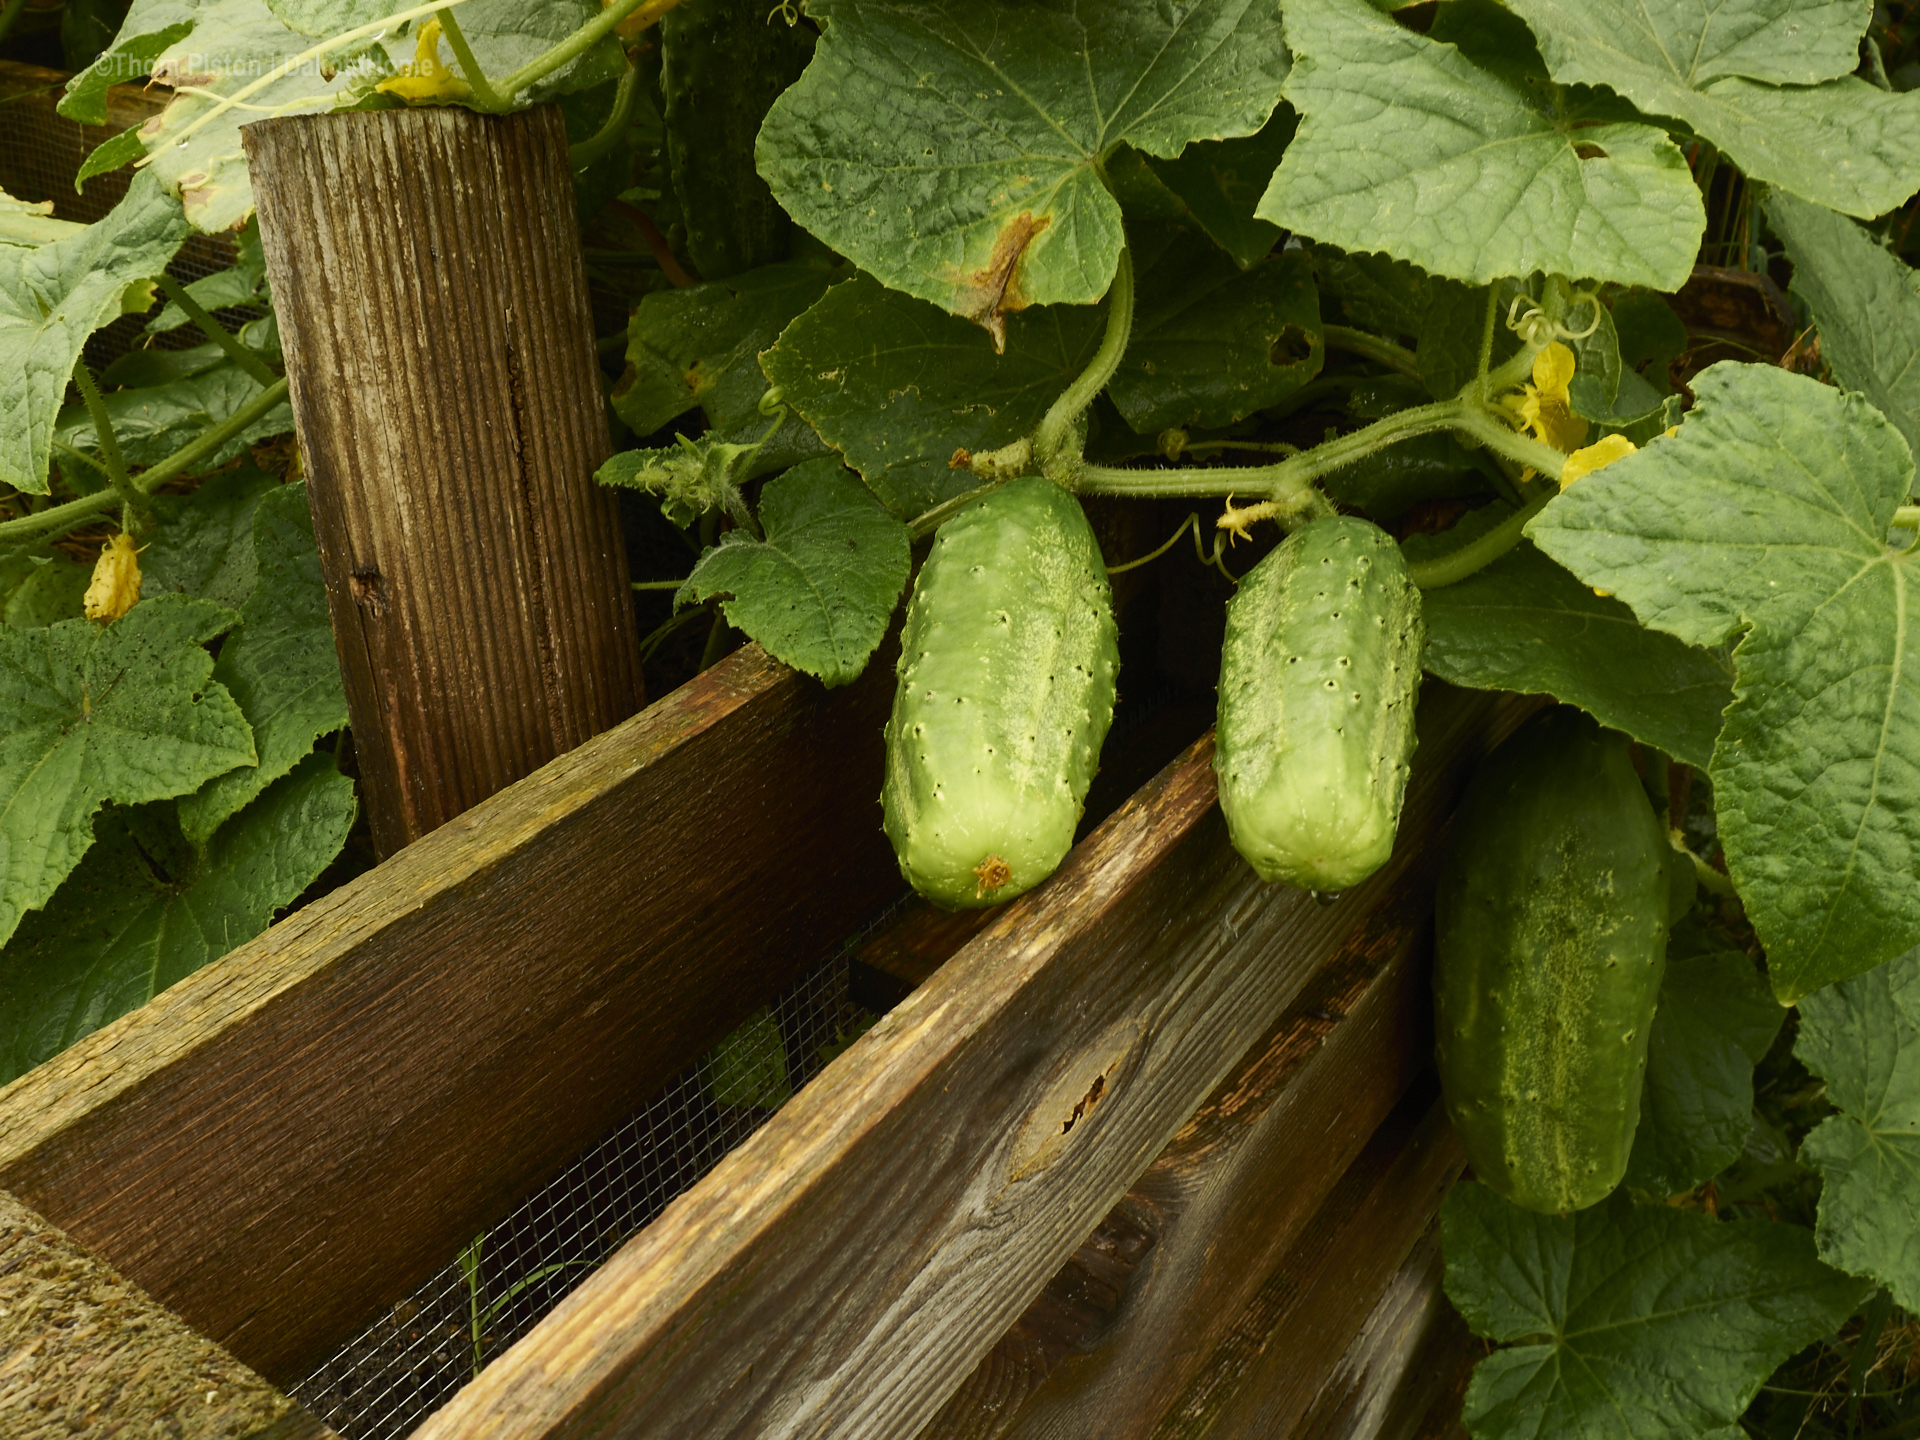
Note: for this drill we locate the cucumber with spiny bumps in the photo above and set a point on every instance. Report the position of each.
(1319, 674)
(1549, 945)
(1006, 688)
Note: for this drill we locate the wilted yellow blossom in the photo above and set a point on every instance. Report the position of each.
(1544, 405)
(1601, 452)
(427, 78)
(116, 580)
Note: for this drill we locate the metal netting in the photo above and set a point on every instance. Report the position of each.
(390, 1378)
(40, 153)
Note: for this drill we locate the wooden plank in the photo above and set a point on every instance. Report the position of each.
(440, 362)
(842, 1272)
(1263, 1378)
(291, 1139)
(1405, 1372)
(84, 1352)
(1224, 1201)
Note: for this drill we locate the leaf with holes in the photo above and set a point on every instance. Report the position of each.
(953, 149)
(819, 590)
(1212, 343)
(1766, 516)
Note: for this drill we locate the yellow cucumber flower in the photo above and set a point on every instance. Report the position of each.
(428, 78)
(116, 580)
(1601, 452)
(1544, 405)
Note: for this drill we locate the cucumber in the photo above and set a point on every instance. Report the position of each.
(1007, 666)
(1550, 940)
(1318, 677)
(722, 65)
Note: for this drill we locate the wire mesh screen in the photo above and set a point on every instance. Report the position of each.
(40, 153)
(386, 1381)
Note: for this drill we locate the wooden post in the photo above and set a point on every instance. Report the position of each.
(83, 1351)
(433, 309)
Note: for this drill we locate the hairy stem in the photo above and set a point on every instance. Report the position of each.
(583, 40)
(1289, 476)
(491, 100)
(253, 364)
(1476, 555)
(1484, 429)
(1372, 347)
(59, 519)
(932, 520)
(608, 135)
(116, 467)
(1057, 423)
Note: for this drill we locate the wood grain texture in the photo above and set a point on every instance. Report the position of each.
(1406, 1370)
(83, 1352)
(842, 1272)
(292, 1138)
(1264, 1376)
(1227, 1197)
(433, 308)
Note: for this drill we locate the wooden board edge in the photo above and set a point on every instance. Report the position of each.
(647, 1344)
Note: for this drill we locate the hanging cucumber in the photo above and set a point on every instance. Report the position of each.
(1550, 941)
(1318, 676)
(722, 64)
(1005, 693)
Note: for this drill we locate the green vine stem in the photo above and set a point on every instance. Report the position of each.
(608, 135)
(1907, 517)
(1475, 555)
(1371, 347)
(116, 466)
(253, 364)
(924, 525)
(1057, 424)
(489, 99)
(581, 41)
(59, 519)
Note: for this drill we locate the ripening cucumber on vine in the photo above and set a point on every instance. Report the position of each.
(1551, 349)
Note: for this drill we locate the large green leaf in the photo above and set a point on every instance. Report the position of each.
(953, 149)
(1212, 343)
(819, 590)
(700, 347)
(281, 666)
(1767, 513)
(899, 385)
(1523, 623)
(124, 713)
(1863, 1037)
(203, 545)
(151, 424)
(1866, 302)
(1407, 146)
(1627, 1322)
(1715, 1022)
(52, 297)
(144, 910)
(1768, 81)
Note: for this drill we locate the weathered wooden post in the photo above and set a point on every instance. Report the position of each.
(433, 308)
